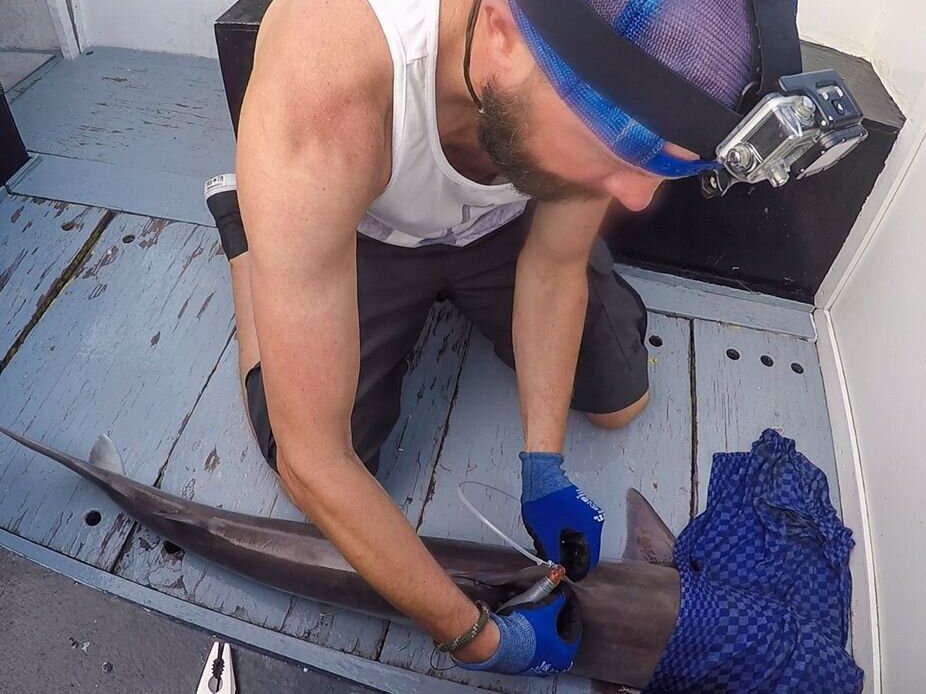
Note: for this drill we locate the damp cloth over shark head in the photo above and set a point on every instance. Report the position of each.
(765, 582)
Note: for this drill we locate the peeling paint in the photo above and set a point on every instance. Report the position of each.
(183, 309)
(57, 287)
(193, 256)
(152, 232)
(177, 585)
(189, 489)
(202, 309)
(108, 258)
(10, 269)
(212, 460)
(115, 532)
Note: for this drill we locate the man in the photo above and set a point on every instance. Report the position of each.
(426, 126)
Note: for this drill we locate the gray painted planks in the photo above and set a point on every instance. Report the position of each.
(679, 296)
(157, 121)
(115, 186)
(216, 462)
(410, 453)
(38, 240)
(15, 66)
(653, 455)
(126, 348)
(739, 399)
(17, 91)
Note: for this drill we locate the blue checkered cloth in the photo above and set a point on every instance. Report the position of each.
(765, 582)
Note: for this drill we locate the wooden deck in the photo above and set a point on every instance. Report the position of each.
(116, 316)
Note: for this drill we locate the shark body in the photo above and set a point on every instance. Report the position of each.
(629, 607)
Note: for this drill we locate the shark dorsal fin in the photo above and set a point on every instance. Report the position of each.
(648, 537)
(105, 455)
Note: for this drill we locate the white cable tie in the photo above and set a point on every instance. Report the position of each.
(466, 502)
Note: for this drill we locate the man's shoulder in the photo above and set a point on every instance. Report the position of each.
(332, 50)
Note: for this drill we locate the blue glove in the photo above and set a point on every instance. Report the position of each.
(564, 523)
(538, 639)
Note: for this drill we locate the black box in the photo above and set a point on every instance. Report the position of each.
(236, 36)
(777, 241)
(12, 150)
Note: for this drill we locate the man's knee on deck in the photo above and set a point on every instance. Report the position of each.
(620, 418)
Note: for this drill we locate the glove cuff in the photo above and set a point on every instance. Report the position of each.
(541, 475)
(516, 647)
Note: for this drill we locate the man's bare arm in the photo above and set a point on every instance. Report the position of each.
(551, 296)
(313, 153)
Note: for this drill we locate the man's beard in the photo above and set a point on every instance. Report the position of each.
(502, 134)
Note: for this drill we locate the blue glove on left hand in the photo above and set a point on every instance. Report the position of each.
(538, 639)
(563, 522)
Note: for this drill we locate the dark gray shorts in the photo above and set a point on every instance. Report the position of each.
(397, 288)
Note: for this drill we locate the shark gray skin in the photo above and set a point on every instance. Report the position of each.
(629, 608)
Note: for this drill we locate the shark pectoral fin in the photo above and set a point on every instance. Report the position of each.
(105, 455)
(648, 537)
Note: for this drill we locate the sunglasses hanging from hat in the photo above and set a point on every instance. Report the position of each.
(789, 124)
(468, 53)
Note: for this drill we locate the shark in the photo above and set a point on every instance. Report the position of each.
(629, 607)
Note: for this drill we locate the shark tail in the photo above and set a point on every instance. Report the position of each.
(104, 455)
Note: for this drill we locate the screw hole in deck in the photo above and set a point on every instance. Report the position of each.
(655, 341)
(173, 550)
(93, 518)
(733, 354)
(797, 368)
(767, 360)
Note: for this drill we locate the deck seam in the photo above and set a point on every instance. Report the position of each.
(20, 88)
(678, 297)
(382, 642)
(34, 160)
(130, 536)
(71, 270)
(446, 428)
(352, 667)
(186, 419)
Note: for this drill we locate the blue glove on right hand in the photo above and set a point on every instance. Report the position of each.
(539, 639)
(563, 522)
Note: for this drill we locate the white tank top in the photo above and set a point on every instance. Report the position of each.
(427, 201)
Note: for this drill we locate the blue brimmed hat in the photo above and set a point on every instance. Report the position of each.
(707, 42)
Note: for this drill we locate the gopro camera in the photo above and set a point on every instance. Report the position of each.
(812, 123)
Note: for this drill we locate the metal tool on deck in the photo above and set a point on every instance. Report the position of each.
(219, 673)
